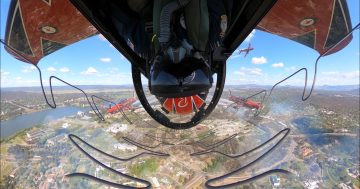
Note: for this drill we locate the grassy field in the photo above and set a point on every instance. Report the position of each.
(148, 166)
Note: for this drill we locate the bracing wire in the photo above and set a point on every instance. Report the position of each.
(85, 175)
(266, 98)
(156, 139)
(241, 101)
(214, 145)
(151, 125)
(210, 149)
(111, 102)
(142, 146)
(241, 182)
(149, 152)
(53, 104)
(248, 180)
(94, 107)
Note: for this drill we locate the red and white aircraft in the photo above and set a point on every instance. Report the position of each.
(241, 102)
(247, 50)
(124, 105)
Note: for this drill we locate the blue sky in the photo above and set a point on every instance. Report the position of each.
(95, 62)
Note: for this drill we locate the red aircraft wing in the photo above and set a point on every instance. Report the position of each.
(124, 105)
(240, 102)
(115, 108)
(318, 24)
(36, 29)
(252, 104)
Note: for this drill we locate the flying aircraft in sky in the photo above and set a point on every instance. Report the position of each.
(122, 105)
(242, 102)
(178, 46)
(246, 50)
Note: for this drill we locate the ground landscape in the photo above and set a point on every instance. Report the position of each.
(321, 150)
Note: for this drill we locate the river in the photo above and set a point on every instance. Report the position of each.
(25, 121)
(311, 125)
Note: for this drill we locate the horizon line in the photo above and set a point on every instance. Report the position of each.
(145, 85)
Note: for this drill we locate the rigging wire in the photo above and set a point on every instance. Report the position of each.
(121, 110)
(247, 98)
(53, 105)
(161, 141)
(71, 136)
(207, 184)
(210, 149)
(143, 146)
(266, 98)
(94, 107)
(85, 175)
(219, 142)
(241, 182)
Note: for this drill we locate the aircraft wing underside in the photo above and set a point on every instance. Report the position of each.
(316, 24)
(36, 29)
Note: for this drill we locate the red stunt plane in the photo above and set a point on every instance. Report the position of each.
(36, 29)
(124, 105)
(247, 50)
(240, 102)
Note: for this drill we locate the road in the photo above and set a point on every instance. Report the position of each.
(19, 105)
(198, 177)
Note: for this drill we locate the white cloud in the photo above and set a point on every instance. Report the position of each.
(247, 76)
(259, 60)
(64, 70)
(25, 70)
(240, 73)
(102, 37)
(354, 74)
(118, 78)
(113, 70)
(89, 71)
(4, 73)
(256, 71)
(51, 69)
(292, 68)
(343, 75)
(21, 82)
(332, 73)
(249, 71)
(250, 36)
(105, 59)
(28, 69)
(338, 78)
(278, 65)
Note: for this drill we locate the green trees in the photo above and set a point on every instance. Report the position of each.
(149, 165)
(8, 183)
